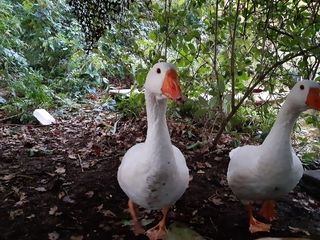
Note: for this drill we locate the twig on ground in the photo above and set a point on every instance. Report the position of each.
(80, 163)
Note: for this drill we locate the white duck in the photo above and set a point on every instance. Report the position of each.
(271, 170)
(154, 174)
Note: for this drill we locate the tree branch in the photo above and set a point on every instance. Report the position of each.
(233, 60)
(215, 60)
(259, 78)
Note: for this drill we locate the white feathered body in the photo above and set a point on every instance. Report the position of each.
(151, 182)
(256, 174)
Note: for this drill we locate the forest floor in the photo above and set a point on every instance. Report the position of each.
(59, 182)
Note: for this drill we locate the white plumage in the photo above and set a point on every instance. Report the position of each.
(272, 169)
(154, 174)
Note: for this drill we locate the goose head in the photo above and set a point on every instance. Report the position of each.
(162, 81)
(304, 95)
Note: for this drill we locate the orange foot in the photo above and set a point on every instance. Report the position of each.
(256, 226)
(267, 210)
(159, 231)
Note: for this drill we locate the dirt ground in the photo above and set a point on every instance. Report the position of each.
(59, 182)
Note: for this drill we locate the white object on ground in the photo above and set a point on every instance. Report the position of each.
(125, 91)
(43, 117)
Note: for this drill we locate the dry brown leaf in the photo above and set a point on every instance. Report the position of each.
(60, 170)
(22, 200)
(100, 207)
(53, 210)
(61, 195)
(53, 236)
(72, 156)
(31, 216)
(89, 194)
(215, 200)
(7, 177)
(67, 199)
(15, 213)
(108, 213)
(40, 189)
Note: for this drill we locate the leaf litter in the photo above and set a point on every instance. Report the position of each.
(59, 182)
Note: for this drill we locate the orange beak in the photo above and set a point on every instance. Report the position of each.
(171, 87)
(313, 99)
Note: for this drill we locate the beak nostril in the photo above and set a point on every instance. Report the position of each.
(180, 99)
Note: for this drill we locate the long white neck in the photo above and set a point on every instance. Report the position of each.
(279, 139)
(157, 134)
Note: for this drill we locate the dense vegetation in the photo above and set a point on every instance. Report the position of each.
(224, 51)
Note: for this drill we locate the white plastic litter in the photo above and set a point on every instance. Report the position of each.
(125, 92)
(43, 117)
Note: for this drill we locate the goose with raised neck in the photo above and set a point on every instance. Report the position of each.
(154, 174)
(271, 170)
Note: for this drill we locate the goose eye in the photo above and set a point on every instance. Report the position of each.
(301, 87)
(158, 70)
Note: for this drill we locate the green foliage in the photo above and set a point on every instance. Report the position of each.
(222, 49)
(132, 106)
(33, 91)
(42, 56)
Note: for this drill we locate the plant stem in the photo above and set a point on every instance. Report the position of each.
(233, 57)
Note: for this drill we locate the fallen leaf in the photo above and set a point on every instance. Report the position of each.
(53, 236)
(15, 213)
(60, 170)
(22, 200)
(100, 207)
(89, 194)
(72, 156)
(40, 189)
(53, 210)
(61, 195)
(208, 165)
(7, 177)
(107, 213)
(67, 199)
(31, 216)
(215, 200)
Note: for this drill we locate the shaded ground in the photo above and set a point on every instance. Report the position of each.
(59, 182)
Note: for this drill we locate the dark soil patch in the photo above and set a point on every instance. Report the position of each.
(61, 180)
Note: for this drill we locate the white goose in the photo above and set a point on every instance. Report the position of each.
(154, 174)
(271, 170)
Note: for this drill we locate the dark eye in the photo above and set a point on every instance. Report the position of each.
(158, 70)
(301, 87)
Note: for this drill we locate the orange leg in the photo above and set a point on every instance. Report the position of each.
(255, 225)
(159, 231)
(267, 210)
(137, 227)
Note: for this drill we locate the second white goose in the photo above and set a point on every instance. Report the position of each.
(266, 172)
